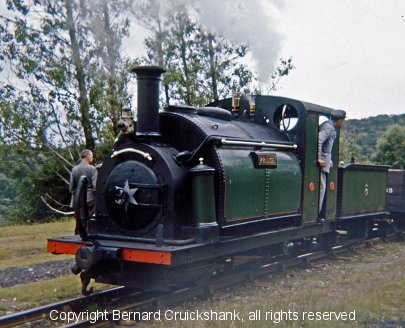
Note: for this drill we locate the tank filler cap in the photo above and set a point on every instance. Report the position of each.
(202, 168)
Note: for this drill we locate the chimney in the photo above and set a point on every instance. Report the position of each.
(148, 100)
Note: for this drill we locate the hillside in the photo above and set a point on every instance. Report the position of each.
(365, 132)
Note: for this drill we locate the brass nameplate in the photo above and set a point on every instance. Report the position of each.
(264, 159)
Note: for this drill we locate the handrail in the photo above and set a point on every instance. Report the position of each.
(258, 144)
(132, 150)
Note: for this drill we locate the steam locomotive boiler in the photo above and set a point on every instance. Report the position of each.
(187, 190)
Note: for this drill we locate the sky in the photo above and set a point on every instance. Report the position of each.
(348, 54)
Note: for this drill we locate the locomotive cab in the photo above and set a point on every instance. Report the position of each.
(299, 123)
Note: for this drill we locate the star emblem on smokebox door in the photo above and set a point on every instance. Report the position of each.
(130, 193)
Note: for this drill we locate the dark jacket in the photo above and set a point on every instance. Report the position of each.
(91, 173)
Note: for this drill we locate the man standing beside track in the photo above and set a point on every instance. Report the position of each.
(326, 138)
(85, 168)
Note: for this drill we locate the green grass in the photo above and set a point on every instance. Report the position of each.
(382, 299)
(50, 290)
(43, 292)
(24, 245)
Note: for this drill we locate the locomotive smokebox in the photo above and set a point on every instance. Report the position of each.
(149, 78)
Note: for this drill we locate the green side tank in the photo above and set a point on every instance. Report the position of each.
(260, 184)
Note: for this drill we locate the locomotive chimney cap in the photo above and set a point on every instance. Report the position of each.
(152, 71)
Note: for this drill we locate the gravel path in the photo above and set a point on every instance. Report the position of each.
(22, 275)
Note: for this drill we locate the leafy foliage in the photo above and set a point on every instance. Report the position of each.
(200, 67)
(16, 206)
(7, 194)
(391, 147)
(284, 68)
(63, 65)
(365, 132)
(349, 151)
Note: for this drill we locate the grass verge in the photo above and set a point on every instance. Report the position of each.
(24, 245)
(39, 293)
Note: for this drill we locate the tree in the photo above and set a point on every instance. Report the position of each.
(284, 68)
(349, 151)
(63, 59)
(40, 65)
(391, 147)
(109, 91)
(21, 201)
(184, 64)
(200, 66)
(367, 131)
(7, 191)
(77, 58)
(157, 45)
(66, 85)
(221, 66)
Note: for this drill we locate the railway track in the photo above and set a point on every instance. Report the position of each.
(121, 300)
(41, 313)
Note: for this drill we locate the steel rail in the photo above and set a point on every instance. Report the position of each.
(41, 312)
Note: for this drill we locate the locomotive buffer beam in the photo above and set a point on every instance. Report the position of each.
(88, 255)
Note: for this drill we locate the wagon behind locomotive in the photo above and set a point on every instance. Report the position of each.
(396, 196)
